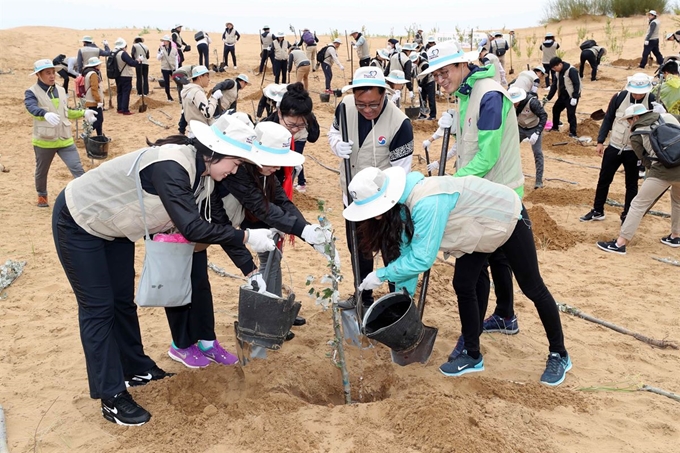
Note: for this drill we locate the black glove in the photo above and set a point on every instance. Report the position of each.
(59, 59)
(187, 48)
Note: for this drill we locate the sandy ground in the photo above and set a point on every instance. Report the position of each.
(292, 402)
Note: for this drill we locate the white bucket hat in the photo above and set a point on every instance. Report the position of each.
(431, 39)
(235, 140)
(120, 43)
(409, 46)
(243, 77)
(396, 77)
(446, 53)
(639, 83)
(275, 91)
(166, 38)
(92, 62)
(41, 64)
(178, 25)
(635, 110)
(517, 94)
(384, 54)
(354, 31)
(652, 12)
(87, 38)
(374, 192)
(539, 68)
(223, 121)
(272, 147)
(367, 76)
(198, 71)
(337, 41)
(280, 34)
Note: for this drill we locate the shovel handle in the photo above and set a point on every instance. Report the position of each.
(267, 267)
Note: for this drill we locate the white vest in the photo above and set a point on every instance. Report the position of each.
(125, 69)
(526, 118)
(620, 135)
(527, 80)
(492, 59)
(140, 51)
(363, 50)
(397, 61)
(88, 52)
(484, 217)
(229, 38)
(169, 58)
(266, 40)
(280, 49)
(655, 34)
(104, 200)
(549, 52)
(298, 57)
(42, 130)
(191, 95)
(89, 97)
(229, 96)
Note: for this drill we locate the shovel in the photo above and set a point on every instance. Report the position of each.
(351, 317)
(597, 115)
(142, 108)
(512, 70)
(108, 81)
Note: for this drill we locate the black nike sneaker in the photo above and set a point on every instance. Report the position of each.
(121, 409)
(154, 374)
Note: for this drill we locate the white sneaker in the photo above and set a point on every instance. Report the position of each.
(235, 67)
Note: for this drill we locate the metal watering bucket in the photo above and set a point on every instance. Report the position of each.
(97, 146)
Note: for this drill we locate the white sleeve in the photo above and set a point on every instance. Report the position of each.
(334, 54)
(404, 162)
(334, 137)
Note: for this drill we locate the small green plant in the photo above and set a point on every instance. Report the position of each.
(460, 34)
(364, 32)
(144, 31)
(559, 33)
(581, 33)
(334, 33)
(434, 30)
(531, 44)
(561, 53)
(411, 31)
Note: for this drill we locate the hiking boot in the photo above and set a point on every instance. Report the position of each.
(218, 354)
(610, 246)
(42, 202)
(348, 304)
(289, 336)
(299, 321)
(462, 364)
(572, 135)
(497, 324)
(154, 374)
(121, 409)
(460, 346)
(592, 215)
(556, 368)
(191, 357)
(671, 241)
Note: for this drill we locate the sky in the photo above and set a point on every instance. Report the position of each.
(249, 15)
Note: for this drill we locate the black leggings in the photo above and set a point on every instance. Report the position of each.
(166, 79)
(280, 70)
(560, 104)
(611, 161)
(590, 57)
(229, 50)
(472, 300)
(203, 54)
(328, 73)
(99, 122)
(142, 72)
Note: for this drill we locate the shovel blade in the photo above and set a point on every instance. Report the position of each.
(420, 352)
(351, 327)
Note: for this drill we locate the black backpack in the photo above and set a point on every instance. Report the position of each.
(587, 44)
(112, 71)
(199, 35)
(665, 140)
(321, 54)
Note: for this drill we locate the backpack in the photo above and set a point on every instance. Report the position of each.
(665, 140)
(199, 35)
(587, 44)
(80, 86)
(112, 71)
(499, 51)
(321, 54)
(308, 38)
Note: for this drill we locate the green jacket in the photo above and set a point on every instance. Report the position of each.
(638, 142)
(670, 94)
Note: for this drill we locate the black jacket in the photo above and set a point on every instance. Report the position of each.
(536, 108)
(610, 116)
(567, 71)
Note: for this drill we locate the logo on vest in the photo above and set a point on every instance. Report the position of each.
(382, 140)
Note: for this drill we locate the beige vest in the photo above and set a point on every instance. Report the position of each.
(230, 38)
(88, 52)
(125, 69)
(280, 49)
(526, 118)
(508, 168)
(104, 200)
(428, 78)
(568, 84)
(655, 34)
(298, 57)
(141, 51)
(498, 44)
(192, 96)
(266, 40)
(549, 52)
(484, 217)
(180, 42)
(620, 135)
(168, 59)
(363, 50)
(375, 151)
(527, 80)
(229, 96)
(493, 59)
(89, 97)
(397, 61)
(42, 130)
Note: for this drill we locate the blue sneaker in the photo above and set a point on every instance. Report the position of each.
(462, 364)
(495, 323)
(556, 369)
(460, 346)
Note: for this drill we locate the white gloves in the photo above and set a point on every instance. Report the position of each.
(646, 43)
(313, 235)
(100, 105)
(370, 282)
(433, 167)
(159, 56)
(534, 138)
(217, 95)
(52, 118)
(396, 96)
(344, 149)
(573, 102)
(261, 240)
(446, 121)
(504, 81)
(105, 42)
(411, 95)
(90, 116)
(426, 144)
(658, 108)
(257, 278)
(342, 68)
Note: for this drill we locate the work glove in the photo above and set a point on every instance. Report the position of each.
(411, 95)
(313, 234)
(370, 282)
(139, 59)
(217, 95)
(256, 279)
(261, 240)
(105, 42)
(446, 121)
(344, 149)
(573, 102)
(160, 55)
(534, 138)
(342, 68)
(396, 96)
(52, 118)
(90, 116)
(646, 43)
(426, 144)
(433, 167)
(658, 108)
(100, 105)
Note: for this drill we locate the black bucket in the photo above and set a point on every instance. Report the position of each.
(337, 93)
(97, 146)
(412, 112)
(393, 320)
(161, 82)
(264, 319)
(325, 97)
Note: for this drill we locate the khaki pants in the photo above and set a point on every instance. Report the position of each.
(310, 51)
(649, 191)
(302, 75)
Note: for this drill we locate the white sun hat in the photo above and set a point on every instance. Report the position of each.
(272, 147)
(166, 38)
(337, 41)
(517, 94)
(87, 38)
(396, 77)
(92, 62)
(639, 83)
(120, 43)
(280, 34)
(384, 54)
(222, 122)
(652, 12)
(275, 91)
(374, 192)
(635, 110)
(235, 140)
(446, 53)
(431, 39)
(368, 76)
(198, 71)
(539, 68)
(41, 64)
(243, 77)
(354, 31)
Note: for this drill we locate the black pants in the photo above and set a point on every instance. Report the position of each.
(264, 54)
(549, 74)
(521, 254)
(653, 48)
(203, 54)
(590, 57)
(180, 55)
(280, 70)
(364, 62)
(195, 321)
(428, 98)
(230, 50)
(102, 275)
(328, 73)
(611, 161)
(99, 122)
(65, 75)
(182, 124)
(501, 272)
(142, 79)
(123, 90)
(166, 79)
(560, 104)
(299, 148)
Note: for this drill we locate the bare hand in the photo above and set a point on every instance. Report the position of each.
(600, 149)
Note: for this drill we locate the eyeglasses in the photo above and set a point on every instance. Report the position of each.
(441, 74)
(375, 106)
(296, 126)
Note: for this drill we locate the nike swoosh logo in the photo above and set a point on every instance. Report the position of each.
(183, 355)
(142, 377)
(462, 367)
(113, 410)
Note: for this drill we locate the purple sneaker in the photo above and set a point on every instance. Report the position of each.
(191, 357)
(218, 354)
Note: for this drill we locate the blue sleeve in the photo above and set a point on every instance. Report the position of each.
(106, 52)
(429, 216)
(31, 103)
(128, 59)
(490, 111)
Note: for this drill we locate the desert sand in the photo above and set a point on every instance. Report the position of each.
(292, 402)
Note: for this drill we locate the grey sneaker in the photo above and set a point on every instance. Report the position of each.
(592, 215)
(556, 368)
(462, 364)
(610, 246)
